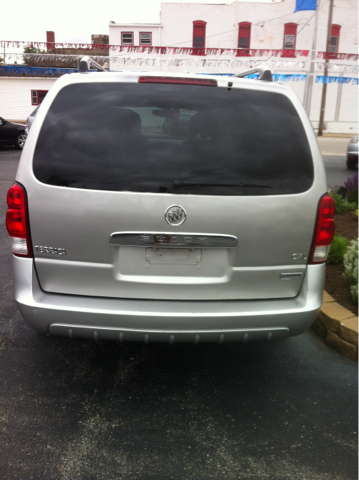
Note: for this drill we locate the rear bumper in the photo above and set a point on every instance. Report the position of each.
(167, 321)
(353, 149)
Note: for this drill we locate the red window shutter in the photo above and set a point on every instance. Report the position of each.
(199, 31)
(336, 30)
(334, 40)
(290, 39)
(290, 29)
(199, 36)
(244, 39)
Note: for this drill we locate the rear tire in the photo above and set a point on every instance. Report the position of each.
(20, 141)
(352, 163)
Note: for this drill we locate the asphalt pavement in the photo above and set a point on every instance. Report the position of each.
(334, 155)
(86, 410)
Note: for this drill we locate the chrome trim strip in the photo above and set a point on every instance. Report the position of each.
(170, 240)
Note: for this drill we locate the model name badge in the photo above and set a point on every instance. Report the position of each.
(169, 240)
(299, 256)
(53, 250)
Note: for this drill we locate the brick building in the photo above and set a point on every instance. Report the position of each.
(53, 50)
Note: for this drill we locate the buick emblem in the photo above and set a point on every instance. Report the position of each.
(175, 215)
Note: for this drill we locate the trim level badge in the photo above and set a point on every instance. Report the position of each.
(175, 215)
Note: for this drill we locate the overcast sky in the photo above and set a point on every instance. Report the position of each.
(75, 21)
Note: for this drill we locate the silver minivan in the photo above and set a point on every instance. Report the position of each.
(176, 208)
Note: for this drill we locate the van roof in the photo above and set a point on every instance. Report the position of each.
(133, 76)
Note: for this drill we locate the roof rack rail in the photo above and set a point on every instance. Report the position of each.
(86, 63)
(264, 73)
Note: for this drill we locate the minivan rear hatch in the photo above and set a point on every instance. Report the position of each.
(172, 191)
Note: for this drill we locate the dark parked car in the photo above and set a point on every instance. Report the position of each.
(12, 134)
(31, 118)
(352, 154)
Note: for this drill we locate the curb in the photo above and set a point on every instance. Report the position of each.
(338, 327)
(336, 135)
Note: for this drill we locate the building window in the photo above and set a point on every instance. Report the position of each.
(334, 39)
(127, 38)
(37, 96)
(290, 37)
(145, 38)
(244, 38)
(199, 35)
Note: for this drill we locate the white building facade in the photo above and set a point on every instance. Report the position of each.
(19, 96)
(229, 38)
(136, 34)
(269, 24)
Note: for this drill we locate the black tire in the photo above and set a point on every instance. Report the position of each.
(20, 141)
(352, 163)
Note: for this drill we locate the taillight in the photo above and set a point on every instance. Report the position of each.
(324, 230)
(180, 80)
(17, 221)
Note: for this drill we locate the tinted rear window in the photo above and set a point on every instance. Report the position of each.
(173, 138)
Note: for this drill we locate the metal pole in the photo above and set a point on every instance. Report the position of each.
(339, 100)
(309, 89)
(324, 92)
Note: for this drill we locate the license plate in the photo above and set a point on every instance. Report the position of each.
(173, 256)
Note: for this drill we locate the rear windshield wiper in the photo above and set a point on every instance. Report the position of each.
(184, 183)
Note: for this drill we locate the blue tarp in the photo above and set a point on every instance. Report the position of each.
(35, 70)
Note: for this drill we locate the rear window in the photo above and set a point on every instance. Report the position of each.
(173, 139)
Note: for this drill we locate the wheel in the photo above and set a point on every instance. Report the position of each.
(352, 163)
(20, 141)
